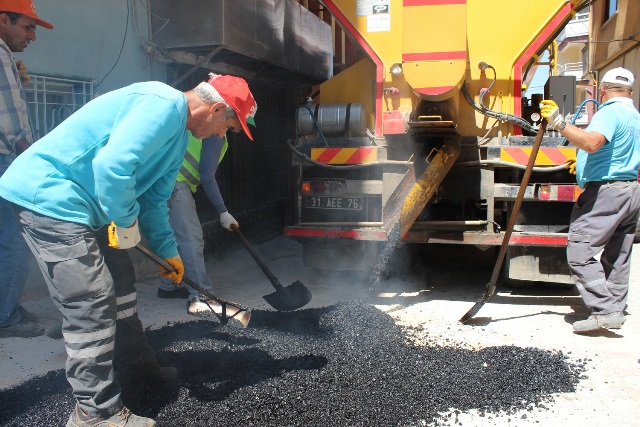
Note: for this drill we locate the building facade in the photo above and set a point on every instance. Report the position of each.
(615, 39)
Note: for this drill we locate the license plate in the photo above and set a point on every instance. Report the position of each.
(349, 203)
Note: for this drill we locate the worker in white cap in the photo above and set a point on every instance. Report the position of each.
(604, 218)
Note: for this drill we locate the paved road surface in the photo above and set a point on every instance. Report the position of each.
(429, 294)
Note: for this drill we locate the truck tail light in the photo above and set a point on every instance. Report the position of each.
(323, 187)
(545, 192)
(560, 193)
(317, 186)
(305, 188)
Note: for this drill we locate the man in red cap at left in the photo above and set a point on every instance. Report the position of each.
(81, 207)
(18, 22)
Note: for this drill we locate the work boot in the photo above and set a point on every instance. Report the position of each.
(597, 321)
(150, 372)
(182, 293)
(123, 418)
(22, 329)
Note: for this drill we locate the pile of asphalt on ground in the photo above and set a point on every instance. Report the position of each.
(344, 365)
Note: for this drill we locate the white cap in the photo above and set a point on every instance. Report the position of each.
(619, 76)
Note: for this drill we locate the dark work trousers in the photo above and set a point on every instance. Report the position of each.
(603, 223)
(93, 287)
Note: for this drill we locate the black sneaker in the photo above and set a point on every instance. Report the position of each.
(182, 293)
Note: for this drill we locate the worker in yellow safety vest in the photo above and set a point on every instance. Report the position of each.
(198, 168)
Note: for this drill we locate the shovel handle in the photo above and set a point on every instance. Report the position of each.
(491, 286)
(272, 278)
(186, 280)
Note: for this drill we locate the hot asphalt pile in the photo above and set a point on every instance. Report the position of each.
(345, 365)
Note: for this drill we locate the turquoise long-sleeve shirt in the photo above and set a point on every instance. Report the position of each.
(619, 158)
(115, 159)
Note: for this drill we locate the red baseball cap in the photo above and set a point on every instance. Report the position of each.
(236, 93)
(24, 7)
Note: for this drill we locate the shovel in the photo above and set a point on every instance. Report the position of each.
(224, 311)
(284, 298)
(491, 286)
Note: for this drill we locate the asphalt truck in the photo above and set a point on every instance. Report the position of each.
(429, 134)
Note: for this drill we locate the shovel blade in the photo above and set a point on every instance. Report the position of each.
(207, 305)
(290, 297)
(473, 311)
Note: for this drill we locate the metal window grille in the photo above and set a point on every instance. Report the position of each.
(51, 100)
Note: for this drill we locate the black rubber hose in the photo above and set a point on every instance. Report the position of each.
(519, 121)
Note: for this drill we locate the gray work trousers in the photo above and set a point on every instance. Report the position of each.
(603, 223)
(93, 287)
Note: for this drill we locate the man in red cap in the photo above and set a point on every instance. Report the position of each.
(199, 168)
(18, 20)
(81, 206)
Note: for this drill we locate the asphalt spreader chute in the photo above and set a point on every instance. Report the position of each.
(285, 298)
(223, 309)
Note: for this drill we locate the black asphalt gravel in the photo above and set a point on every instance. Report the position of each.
(344, 365)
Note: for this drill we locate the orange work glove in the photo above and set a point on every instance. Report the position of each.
(176, 275)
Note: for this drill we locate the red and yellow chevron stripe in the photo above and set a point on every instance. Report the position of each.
(344, 156)
(547, 156)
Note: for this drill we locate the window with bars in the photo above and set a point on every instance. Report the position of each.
(52, 99)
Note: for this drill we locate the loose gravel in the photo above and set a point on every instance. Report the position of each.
(344, 365)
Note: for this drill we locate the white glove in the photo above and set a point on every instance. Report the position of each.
(550, 111)
(226, 219)
(123, 237)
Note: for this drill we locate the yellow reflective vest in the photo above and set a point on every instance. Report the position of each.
(190, 169)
